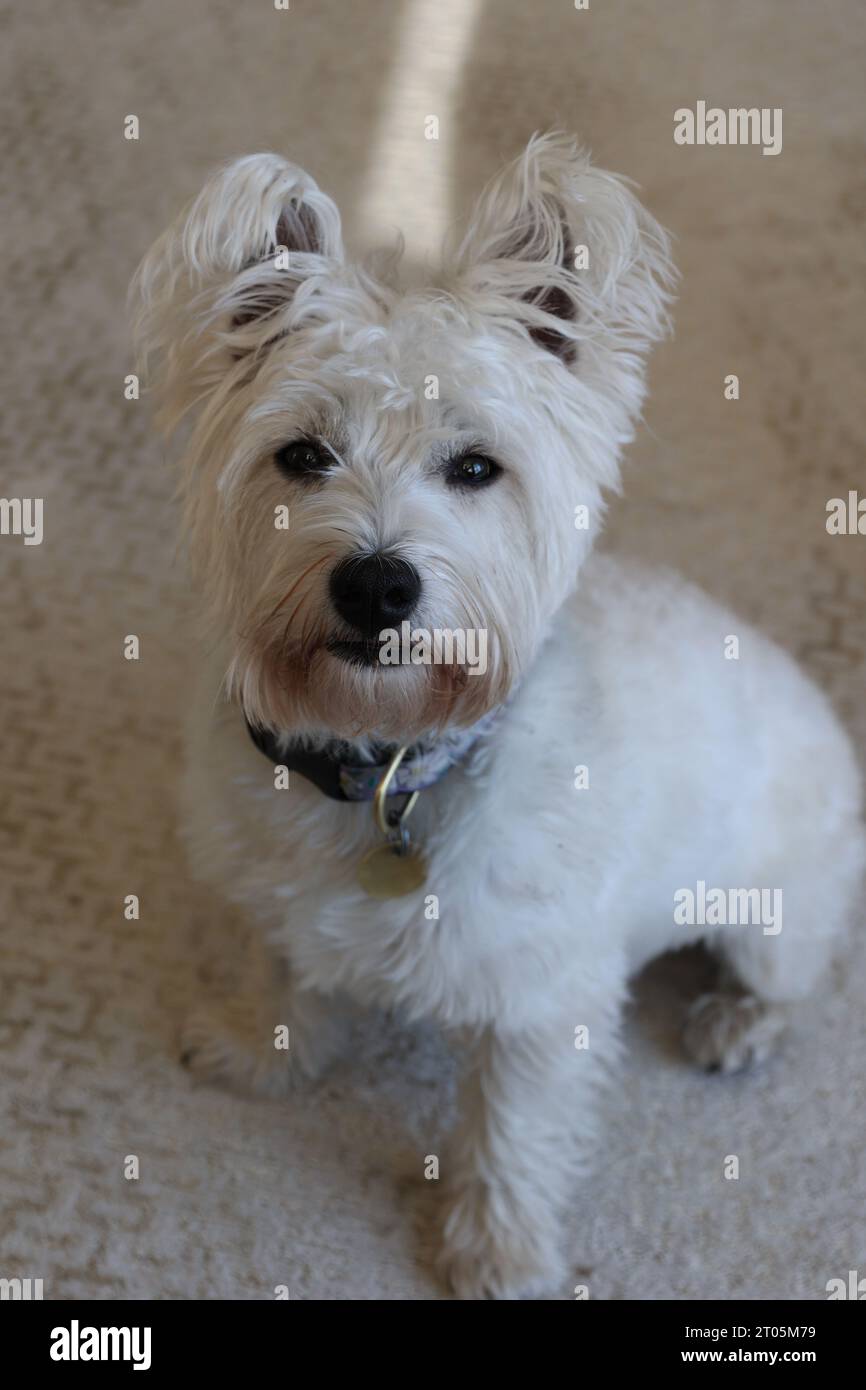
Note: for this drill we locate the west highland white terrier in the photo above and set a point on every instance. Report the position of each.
(496, 844)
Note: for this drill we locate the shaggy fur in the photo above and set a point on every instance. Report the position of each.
(733, 772)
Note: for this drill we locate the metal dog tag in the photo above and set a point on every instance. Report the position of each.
(390, 871)
(395, 868)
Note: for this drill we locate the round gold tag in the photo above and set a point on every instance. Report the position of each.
(386, 873)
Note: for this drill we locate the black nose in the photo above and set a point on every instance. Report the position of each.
(372, 592)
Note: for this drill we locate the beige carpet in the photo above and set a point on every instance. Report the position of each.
(325, 1195)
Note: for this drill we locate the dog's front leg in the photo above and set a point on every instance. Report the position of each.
(527, 1122)
(265, 1046)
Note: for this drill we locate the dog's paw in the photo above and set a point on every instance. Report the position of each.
(485, 1258)
(215, 1049)
(728, 1032)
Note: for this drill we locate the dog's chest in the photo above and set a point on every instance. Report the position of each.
(487, 916)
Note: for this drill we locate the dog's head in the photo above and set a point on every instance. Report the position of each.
(364, 456)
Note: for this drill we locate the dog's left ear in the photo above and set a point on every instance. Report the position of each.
(237, 271)
(567, 252)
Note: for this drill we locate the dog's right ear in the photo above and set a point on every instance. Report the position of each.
(566, 251)
(236, 271)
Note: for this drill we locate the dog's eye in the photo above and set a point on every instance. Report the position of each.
(472, 470)
(303, 458)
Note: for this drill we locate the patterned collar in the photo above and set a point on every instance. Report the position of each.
(333, 772)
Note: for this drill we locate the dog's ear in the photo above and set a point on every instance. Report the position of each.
(568, 252)
(235, 272)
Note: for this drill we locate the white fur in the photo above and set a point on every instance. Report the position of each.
(734, 772)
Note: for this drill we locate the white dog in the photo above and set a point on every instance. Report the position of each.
(607, 786)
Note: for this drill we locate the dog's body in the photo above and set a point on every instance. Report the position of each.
(545, 890)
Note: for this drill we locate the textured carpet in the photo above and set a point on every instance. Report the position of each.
(325, 1194)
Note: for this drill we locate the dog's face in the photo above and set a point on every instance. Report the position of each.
(365, 457)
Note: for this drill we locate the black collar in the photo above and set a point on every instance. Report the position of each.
(322, 767)
(336, 771)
